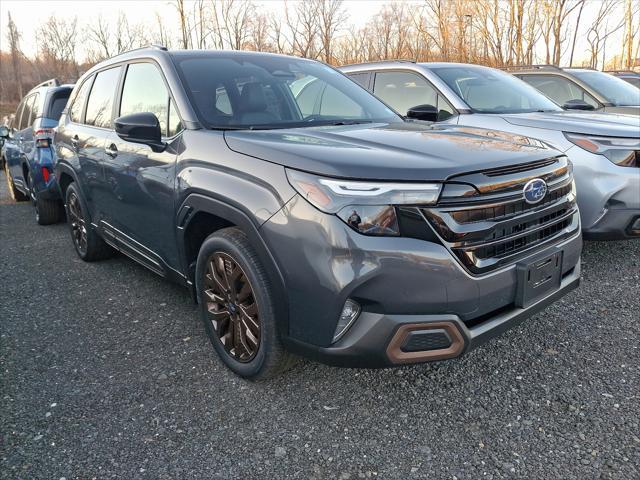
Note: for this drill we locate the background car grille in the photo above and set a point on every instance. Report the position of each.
(483, 219)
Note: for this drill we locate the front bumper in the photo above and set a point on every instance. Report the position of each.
(401, 283)
(608, 195)
(376, 339)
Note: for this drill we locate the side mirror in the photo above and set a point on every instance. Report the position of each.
(4, 131)
(423, 112)
(577, 105)
(141, 128)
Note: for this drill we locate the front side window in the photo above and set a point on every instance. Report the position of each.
(100, 104)
(145, 91)
(487, 90)
(404, 90)
(251, 91)
(75, 112)
(614, 89)
(559, 89)
(361, 79)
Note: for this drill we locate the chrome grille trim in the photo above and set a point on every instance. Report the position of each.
(486, 232)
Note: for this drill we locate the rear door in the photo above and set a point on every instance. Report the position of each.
(140, 183)
(22, 143)
(12, 145)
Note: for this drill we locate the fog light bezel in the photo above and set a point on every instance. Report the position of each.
(340, 331)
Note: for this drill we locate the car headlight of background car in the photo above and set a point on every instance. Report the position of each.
(366, 206)
(620, 150)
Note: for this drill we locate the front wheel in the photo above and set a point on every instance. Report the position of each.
(235, 299)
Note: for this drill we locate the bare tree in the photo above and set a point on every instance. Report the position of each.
(601, 29)
(58, 39)
(185, 28)
(13, 37)
(331, 17)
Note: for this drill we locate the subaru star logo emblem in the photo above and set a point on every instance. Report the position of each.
(534, 190)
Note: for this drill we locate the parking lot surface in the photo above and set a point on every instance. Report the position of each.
(107, 373)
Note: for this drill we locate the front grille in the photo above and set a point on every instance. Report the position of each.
(488, 230)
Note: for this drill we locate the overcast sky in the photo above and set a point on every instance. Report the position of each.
(29, 14)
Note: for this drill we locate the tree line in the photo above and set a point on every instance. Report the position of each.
(490, 32)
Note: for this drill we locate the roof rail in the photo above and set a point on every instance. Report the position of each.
(390, 60)
(531, 67)
(49, 83)
(146, 47)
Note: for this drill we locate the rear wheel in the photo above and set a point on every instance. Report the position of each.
(47, 211)
(87, 242)
(236, 305)
(16, 194)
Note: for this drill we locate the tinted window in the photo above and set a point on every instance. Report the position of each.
(403, 90)
(99, 106)
(145, 91)
(559, 89)
(75, 112)
(361, 79)
(260, 92)
(487, 90)
(614, 89)
(16, 120)
(36, 108)
(57, 104)
(26, 113)
(308, 96)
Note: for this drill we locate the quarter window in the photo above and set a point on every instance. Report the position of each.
(145, 91)
(99, 106)
(75, 113)
(25, 120)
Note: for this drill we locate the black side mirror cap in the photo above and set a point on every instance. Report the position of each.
(577, 105)
(423, 112)
(4, 132)
(141, 128)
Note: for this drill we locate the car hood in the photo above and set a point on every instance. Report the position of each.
(607, 124)
(404, 151)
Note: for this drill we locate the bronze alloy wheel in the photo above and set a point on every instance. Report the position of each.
(231, 307)
(76, 220)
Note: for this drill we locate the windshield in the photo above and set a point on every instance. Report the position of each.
(614, 89)
(487, 90)
(242, 91)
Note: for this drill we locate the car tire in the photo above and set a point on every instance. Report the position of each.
(16, 194)
(235, 299)
(88, 244)
(47, 211)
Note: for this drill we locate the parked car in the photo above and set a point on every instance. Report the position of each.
(604, 148)
(325, 226)
(28, 151)
(582, 88)
(628, 76)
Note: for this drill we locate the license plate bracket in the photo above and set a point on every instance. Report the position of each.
(538, 277)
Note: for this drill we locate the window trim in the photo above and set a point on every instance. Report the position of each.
(372, 83)
(166, 84)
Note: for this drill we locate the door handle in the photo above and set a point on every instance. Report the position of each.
(74, 142)
(111, 150)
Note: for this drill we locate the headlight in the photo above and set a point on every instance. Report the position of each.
(621, 151)
(367, 207)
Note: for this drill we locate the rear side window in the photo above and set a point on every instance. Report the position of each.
(145, 91)
(16, 119)
(26, 113)
(100, 104)
(36, 108)
(57, 104)
(75, 112)
(559, 89)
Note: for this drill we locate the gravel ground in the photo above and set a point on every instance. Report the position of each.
(107, 373)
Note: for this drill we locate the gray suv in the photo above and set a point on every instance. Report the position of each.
(604, 148)
(582, 88)
(320, 224)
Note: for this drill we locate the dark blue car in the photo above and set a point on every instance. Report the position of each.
(28, 151)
